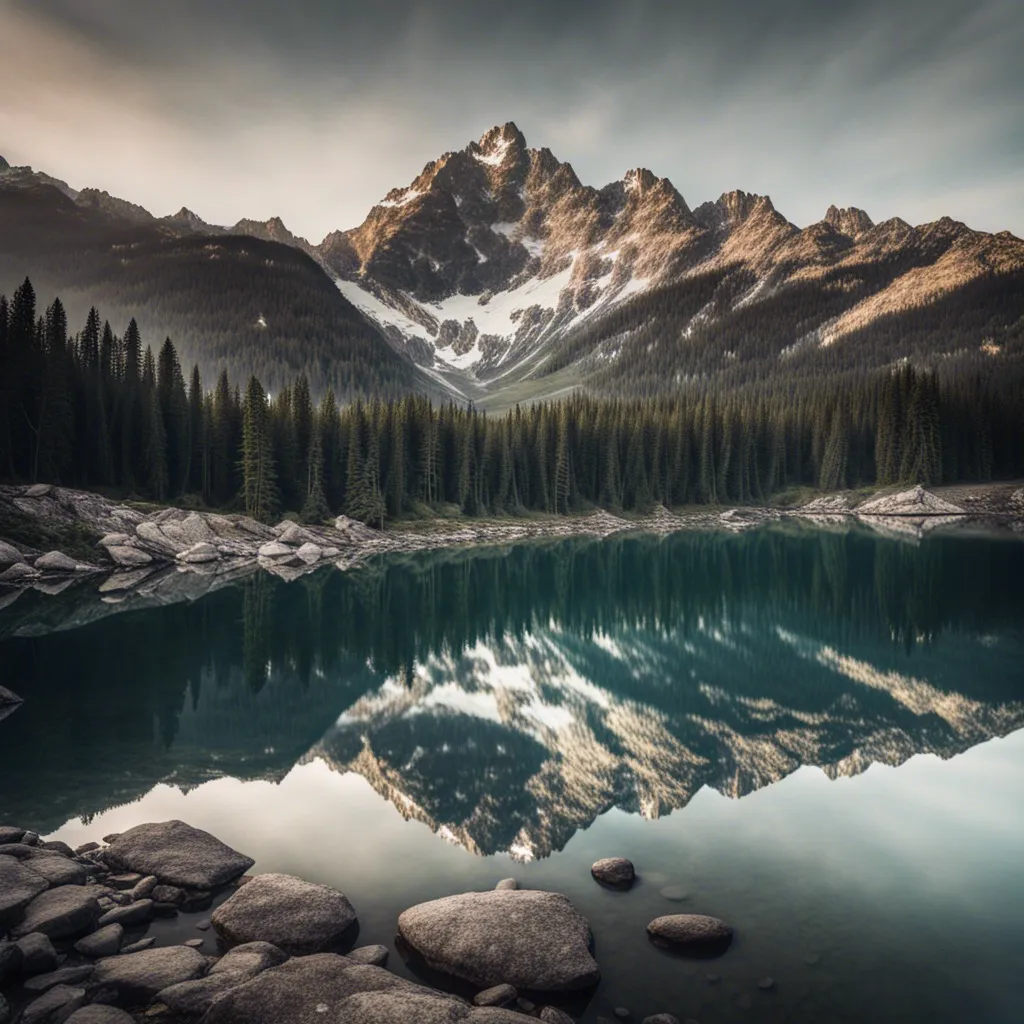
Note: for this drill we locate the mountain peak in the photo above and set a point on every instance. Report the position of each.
(850, 221)
(496, 144)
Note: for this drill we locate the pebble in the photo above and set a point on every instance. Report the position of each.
(204, 925)
(622, 1013)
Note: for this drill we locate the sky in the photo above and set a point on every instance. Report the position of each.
(312, 110)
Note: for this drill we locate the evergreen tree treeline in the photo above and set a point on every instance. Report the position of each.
(101, 411)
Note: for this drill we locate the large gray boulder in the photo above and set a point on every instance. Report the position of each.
(915, 502)
(690, 933)
(527, 938)
(297, 916)
(138, 977)
(61, 913)
(9, 555)
(238, 965)
(122, 554)
(330, 989)
(104, 942)
(37, 954)
(55, 561)
(177, 854)
(56, 869)
(19, 886)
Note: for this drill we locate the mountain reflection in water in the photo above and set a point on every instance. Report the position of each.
(507, 697)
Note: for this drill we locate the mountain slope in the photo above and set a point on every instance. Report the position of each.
(228, 300)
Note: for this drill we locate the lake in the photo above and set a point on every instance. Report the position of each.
(815, 735)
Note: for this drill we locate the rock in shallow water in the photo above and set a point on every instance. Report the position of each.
(690, 933)
(55, 561)
(129, 916)
(330, 989)
(105, 942)
(375, 956)
(615, 871)
(527, 938)
(296, 916)
(177, 854)
(498, 995)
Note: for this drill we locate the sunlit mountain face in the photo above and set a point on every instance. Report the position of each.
(508, 697)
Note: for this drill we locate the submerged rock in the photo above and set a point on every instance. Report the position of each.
(527, 938)
(296, 916)
(690, 933)
(177, 854)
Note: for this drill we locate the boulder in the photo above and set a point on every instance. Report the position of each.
(690, 933)
(122, 554)
(54, 1006)
(9, 554)
(62, 976)
(238, 965)
(125, 880)
(19, 886)
(144, 888)
(296, 916)
(57, 870)
(55, 561)
(177, 854)
(309, 553)
(10, 834)
(64, 912)
(552, 1015)
(19, 572)
(497, 995)
(114, 540)
(614, 871)
(138, 977)
(294, 534)
(274, 549)
(507, 883)
(330, 988)
(11, 958)
(199, 554)
(527, 938)
(99, 1014)
(168, 894)
(375, 956)
(37, 954)
(105, 942)
(915, 502)
(128, 916)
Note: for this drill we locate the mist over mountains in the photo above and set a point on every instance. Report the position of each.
(496, 275)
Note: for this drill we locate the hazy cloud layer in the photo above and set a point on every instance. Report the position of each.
(313, 109)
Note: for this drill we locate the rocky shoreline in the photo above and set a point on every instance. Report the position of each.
(74, 945)
(134, 551)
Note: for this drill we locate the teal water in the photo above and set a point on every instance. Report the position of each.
(816, 736)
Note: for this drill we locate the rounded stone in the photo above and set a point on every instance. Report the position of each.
(375, 956)
(99, 1014)
(690, 933)
(497, 995)
(676, 893)
(530, 939)
(138, 977)
(297, 916)
(507, 883)
(615, 871)
(61, 913)
(19, 886)
(105, 942)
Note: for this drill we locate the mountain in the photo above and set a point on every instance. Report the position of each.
(498, 263)
(249, 301)
(502, 276)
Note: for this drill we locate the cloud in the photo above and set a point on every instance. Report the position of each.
(313, 110)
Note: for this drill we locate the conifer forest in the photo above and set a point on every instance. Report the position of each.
(105, 411)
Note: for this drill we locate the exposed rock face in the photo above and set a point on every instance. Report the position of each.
(526, 938)
(690, 933)
(614, 871)
(177, 854)
(138, 977)
(296, 916)
(915, 502)
(64, 912)
(329, 988)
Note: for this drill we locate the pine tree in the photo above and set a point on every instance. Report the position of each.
(259, 483)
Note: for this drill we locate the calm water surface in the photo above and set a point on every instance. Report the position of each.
(816, 736)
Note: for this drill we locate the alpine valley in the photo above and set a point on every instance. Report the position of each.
(497, 276)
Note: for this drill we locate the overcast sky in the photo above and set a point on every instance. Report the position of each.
(313, 109)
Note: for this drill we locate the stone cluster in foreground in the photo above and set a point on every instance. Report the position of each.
(70, 950)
